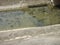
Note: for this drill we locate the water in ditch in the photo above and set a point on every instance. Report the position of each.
(33, 17)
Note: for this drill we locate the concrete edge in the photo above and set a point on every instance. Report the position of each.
(28, 32)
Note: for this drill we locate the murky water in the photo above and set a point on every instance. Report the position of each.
(34, 17)
(16, 19)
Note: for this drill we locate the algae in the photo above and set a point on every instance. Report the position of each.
(29, 17)
(48, 15)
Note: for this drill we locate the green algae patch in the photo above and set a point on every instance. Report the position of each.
(48, 16)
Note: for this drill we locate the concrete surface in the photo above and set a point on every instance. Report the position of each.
(48, 35)
(18, 4)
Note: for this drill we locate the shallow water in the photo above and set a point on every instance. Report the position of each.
(16, 19)
(34, 17)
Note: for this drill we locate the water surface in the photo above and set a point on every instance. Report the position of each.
(33, 17)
